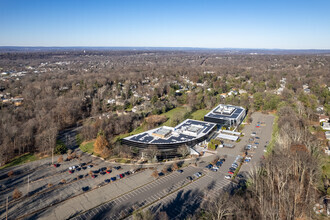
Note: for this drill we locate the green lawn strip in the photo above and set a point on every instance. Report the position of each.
(274, 136)
(25, 158)
(87, 147)
(199, 114)
(237, 170)
(326, 167)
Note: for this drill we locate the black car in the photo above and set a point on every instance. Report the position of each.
(85, 188)
(107, 180)
(117, 167)
(232, 169)
(189, 178)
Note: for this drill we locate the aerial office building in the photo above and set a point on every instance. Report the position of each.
(226, 115)
(168, 139)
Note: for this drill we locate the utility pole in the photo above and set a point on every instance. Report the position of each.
(7, 209)
(52, 156)
(28, 186)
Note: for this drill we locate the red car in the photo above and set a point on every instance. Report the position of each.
(70, 171)
(55, 165)
(108, 171)
(93, 176)
(230, 172)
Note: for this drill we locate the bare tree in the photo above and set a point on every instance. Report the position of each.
(184, 151)
(152, 152)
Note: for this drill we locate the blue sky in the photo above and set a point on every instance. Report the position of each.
(180, 23)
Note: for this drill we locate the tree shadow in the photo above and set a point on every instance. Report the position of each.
(184, 205)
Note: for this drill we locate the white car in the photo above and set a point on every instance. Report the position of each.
(249, 158)
(198, 174)
(70, 168)
(228, 177)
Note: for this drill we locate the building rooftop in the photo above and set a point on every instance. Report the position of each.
(188, 130)
(225, 111)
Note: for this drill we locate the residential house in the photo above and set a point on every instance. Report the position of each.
(326, 126)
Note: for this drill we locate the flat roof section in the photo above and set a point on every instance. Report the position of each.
(235, 112)
(188, 130)
(228, 137)
(163, 131)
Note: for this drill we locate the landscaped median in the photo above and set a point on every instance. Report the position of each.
(25, 158)
(274, 135)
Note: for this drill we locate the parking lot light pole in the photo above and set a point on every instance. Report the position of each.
(28, 186)
(7, 209)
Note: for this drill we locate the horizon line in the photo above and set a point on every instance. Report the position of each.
(207, 48)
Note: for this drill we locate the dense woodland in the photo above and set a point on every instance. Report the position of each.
(64, 88)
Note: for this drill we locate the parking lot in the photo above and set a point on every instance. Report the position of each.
(54, 193)
(49, 185)
(185, 201)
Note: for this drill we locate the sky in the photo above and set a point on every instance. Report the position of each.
(289, 24)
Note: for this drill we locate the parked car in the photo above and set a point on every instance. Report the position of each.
(89, 166)
(228, 177)
(247, 160)
(113, 179)
(93, 176)
(256, 143)
(253, 133)
(180, 171)
(85, 188)
(234, 165)
(108, 171)
(198, 174)
(209, 166)
(189, 178)
(71, 171)
(107, 180)
(56, 165)
(240, 176)
(117, 167)
(120, 176)
(232, 169)
(219, 163)
(230, 172)
(257, 137)
(127, 173)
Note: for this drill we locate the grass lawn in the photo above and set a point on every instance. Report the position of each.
(274, 135)
(326, 167)
(199, 114)
(87, 146)
(28, 157)
(170, 115)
